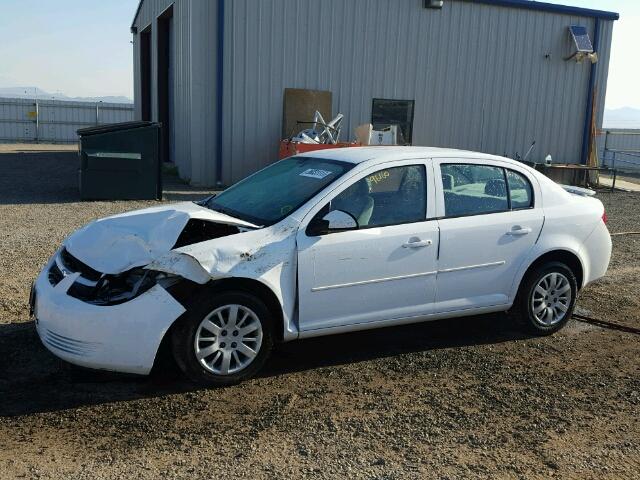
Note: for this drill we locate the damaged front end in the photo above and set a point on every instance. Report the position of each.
(101, 289)
(109, 295)
(112, 255)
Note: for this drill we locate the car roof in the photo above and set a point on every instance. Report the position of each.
(357, 155)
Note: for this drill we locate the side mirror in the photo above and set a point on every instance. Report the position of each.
(332, 222)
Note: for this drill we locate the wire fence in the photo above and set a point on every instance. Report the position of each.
(55, 121)
(621, 150)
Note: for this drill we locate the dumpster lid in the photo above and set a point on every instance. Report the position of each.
(115, 127)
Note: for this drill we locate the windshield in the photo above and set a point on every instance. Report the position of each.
(271, 194)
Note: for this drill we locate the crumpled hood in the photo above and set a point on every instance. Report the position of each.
(118, 243)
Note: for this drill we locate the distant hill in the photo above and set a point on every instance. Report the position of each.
(35, 92)
(625, 117)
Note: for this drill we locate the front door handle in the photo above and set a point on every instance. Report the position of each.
(415, 242)
(518, 230)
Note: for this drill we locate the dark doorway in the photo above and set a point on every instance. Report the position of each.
(145, 73)
(166, 46)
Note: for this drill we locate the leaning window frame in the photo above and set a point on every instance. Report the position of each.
(504, 174)
(409, 122)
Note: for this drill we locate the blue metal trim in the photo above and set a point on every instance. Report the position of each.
(552, 7)
(135, 16)
(219, 90)
(586, 133)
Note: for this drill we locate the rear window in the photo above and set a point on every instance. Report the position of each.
(471, 189)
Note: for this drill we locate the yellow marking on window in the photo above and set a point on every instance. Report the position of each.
(379, 177)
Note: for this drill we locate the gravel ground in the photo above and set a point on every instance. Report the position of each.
(453, 399)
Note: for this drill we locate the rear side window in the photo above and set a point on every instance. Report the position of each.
(520, 191)
(473, 189)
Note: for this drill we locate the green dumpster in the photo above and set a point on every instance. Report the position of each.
(121, 161)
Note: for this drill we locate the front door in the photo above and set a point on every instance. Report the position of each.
(384, 269)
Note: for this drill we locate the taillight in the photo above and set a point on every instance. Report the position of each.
(604, 217)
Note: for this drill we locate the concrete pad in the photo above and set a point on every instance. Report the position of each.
(620, 184)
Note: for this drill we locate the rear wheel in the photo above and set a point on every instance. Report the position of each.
(223, 338)
(546, 298)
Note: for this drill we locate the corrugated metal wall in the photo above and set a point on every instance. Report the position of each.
(194, 81)
(483, 77)
(55, 121)
(478, 73)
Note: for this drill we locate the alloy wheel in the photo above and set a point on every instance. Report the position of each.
(228, 339)
(551, 299)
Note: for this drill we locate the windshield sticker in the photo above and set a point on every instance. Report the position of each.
(315, 173)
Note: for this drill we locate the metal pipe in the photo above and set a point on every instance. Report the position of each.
(586, 132)
(37, 120)
(219, 90)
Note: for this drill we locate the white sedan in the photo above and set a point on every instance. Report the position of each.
(319, 244)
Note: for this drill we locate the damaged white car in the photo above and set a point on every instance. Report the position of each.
(318, 244)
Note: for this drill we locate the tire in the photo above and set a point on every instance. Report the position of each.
(545, 314)
(212, 351)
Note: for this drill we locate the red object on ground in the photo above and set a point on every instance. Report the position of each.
(289, 148)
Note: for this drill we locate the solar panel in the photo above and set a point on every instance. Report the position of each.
(581, 38)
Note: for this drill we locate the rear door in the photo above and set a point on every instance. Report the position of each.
(489, 220)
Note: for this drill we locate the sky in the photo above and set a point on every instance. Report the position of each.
(81, 47)
(623, 88)
(76, 47)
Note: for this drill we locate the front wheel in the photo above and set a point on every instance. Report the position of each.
(546, 298)
(223, 339)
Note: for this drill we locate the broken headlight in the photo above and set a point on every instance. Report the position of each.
(116, 289)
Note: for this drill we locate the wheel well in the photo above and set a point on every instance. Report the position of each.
(187, 289)
(571, 260)
(258, 289)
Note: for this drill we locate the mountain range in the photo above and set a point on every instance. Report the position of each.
(35, 92)
(625, 117)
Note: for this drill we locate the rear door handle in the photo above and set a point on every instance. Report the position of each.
(518, 230)
(415, 242)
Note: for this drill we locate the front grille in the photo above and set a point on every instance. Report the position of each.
(74, 265)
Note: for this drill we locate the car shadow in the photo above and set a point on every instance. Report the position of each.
(392, 341)
(32, 380)
(39, 177)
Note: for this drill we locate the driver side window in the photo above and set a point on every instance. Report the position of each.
(390, 196)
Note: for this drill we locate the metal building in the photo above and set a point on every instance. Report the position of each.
(485, 75)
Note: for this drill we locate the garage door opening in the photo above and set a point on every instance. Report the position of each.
(166, 67)
(145, 74)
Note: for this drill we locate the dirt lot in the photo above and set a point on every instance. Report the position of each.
(453, 399)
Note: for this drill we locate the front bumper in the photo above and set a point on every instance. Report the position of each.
(122, 338)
